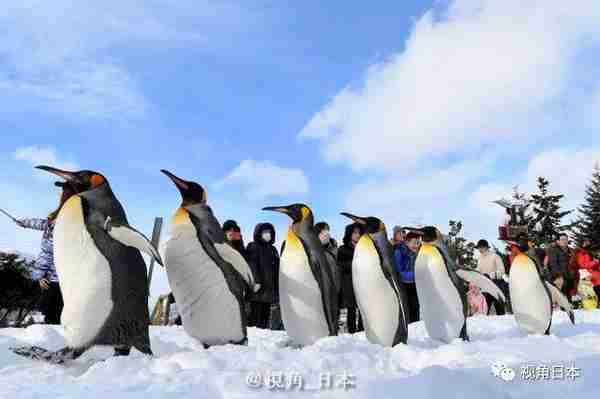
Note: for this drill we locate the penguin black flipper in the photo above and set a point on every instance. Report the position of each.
(128, 321)
(458, 282)
(129, 236)
(539, 272)
(209, 233)
(322, 273)
(563, 302)
(386, 255)
(484, 283)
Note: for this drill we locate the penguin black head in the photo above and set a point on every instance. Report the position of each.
(431, 234)
(81, 181)
(371, 224)
(297, 212)
(191, 193)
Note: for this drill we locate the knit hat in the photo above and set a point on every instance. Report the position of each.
(231, 225)
(319, 227)
(412, 235)
(482, 244)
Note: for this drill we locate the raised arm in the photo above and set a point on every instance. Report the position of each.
(33, 223)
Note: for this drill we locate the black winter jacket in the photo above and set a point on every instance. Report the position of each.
(263, 260)
(345, 255)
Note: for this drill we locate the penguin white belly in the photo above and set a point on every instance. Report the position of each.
(84, 275)
(209, 310)
(300, 298)
(441, 307)
(377, 300)
(530, 301)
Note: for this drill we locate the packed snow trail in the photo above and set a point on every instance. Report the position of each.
(182, 369)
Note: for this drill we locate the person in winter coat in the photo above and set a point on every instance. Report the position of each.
(558, 257)
(331, 249)
(405, 255)
(582, 260)
(233, 234)
(44, 271)
(263, 260)
(345, 255)
(490, 264)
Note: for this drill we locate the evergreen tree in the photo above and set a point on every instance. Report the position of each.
(460, 249)
(546, 221)
(588, 222)
(523, 200)
(11, 262)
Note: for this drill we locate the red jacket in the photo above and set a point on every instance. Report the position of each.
(583, 260)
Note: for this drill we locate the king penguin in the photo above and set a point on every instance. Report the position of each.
(307, 295)
(531, 296)
(209, 279)
(442, 288)
(101, 272)
(379, 292)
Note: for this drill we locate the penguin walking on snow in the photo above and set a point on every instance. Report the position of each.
(209, 279)
(442, 288)
(101, 272)
(531, 296)
(379, 292)
(307, 295)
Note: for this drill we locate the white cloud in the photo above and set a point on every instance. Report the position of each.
(37, 155)
(65, 53)
(429, 197)
(261, 179)
(479, 73)
(397, 191)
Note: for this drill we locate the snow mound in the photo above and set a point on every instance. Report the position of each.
(336, 367)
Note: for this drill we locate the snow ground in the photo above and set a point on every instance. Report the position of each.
(181, 368)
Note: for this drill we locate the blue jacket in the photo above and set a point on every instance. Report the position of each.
(44, 264)
(405, 263)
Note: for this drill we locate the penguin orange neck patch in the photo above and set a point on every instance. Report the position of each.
(97, 180)
(181, 217)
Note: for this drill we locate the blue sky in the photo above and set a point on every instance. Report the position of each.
(416, 112)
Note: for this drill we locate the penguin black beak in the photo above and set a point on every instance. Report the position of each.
(181, 184)
(415, 230)
(281, 209)
(355, 218)
(71, 177)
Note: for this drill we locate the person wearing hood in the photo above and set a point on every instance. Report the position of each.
(331, 249)
(233, 233)
(263, 259)
(345, 255)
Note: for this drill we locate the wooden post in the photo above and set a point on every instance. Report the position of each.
(155, 241)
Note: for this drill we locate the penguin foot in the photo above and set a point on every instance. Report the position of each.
(243, 342)
(57, 357)
(463, 334)
(122, 351)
